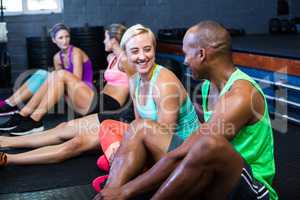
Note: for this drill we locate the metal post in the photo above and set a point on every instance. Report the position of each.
(2, 11)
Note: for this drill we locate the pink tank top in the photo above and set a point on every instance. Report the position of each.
(114, 76)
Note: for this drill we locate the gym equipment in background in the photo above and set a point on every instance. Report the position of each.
(90, 40)
(40, 52)
(5, 62)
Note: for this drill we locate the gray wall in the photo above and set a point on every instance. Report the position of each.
(294, 8)
(252, 15)
(20, 27)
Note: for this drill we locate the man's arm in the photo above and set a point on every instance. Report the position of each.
(233, 111)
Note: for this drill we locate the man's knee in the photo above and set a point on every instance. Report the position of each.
(206, 149)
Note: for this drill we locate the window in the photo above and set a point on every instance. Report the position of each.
(18, 7)
(12, 6)
(35, 5)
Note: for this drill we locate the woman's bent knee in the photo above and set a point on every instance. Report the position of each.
(63, 129)
(74, 145)
(62, 125)
(61, 74)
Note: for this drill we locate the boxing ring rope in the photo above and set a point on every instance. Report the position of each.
(281, 85)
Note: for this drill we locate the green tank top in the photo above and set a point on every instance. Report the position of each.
(254, 142)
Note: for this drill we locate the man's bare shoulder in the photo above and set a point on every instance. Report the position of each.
(243, 99)
(243, 89)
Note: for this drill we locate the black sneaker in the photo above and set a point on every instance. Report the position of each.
(27, 126)
(6, 109)
(11, 123)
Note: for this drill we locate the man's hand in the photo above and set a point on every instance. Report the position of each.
(111, 194)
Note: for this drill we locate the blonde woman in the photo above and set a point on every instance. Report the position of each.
(160, 102)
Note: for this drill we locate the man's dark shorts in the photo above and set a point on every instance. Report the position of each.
(249, 188)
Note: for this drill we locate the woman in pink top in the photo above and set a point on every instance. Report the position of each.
(77, 136)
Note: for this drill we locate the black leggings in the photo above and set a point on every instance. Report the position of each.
(109, 108)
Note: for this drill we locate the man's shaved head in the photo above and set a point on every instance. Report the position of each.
(207, 48)
(210, 34)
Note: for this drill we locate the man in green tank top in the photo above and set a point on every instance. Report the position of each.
(231, 154)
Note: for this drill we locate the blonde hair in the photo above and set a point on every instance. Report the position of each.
(134, 31)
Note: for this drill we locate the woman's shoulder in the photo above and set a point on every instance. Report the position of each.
(166, 75)
(76, 51)
(168, 83)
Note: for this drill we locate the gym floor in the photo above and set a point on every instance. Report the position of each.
(67, 179)
(56, 181)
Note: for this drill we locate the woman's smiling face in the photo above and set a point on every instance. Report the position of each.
(140, 51)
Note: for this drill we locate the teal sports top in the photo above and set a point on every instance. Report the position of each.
(187, 121)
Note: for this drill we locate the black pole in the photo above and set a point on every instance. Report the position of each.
(2, 11)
